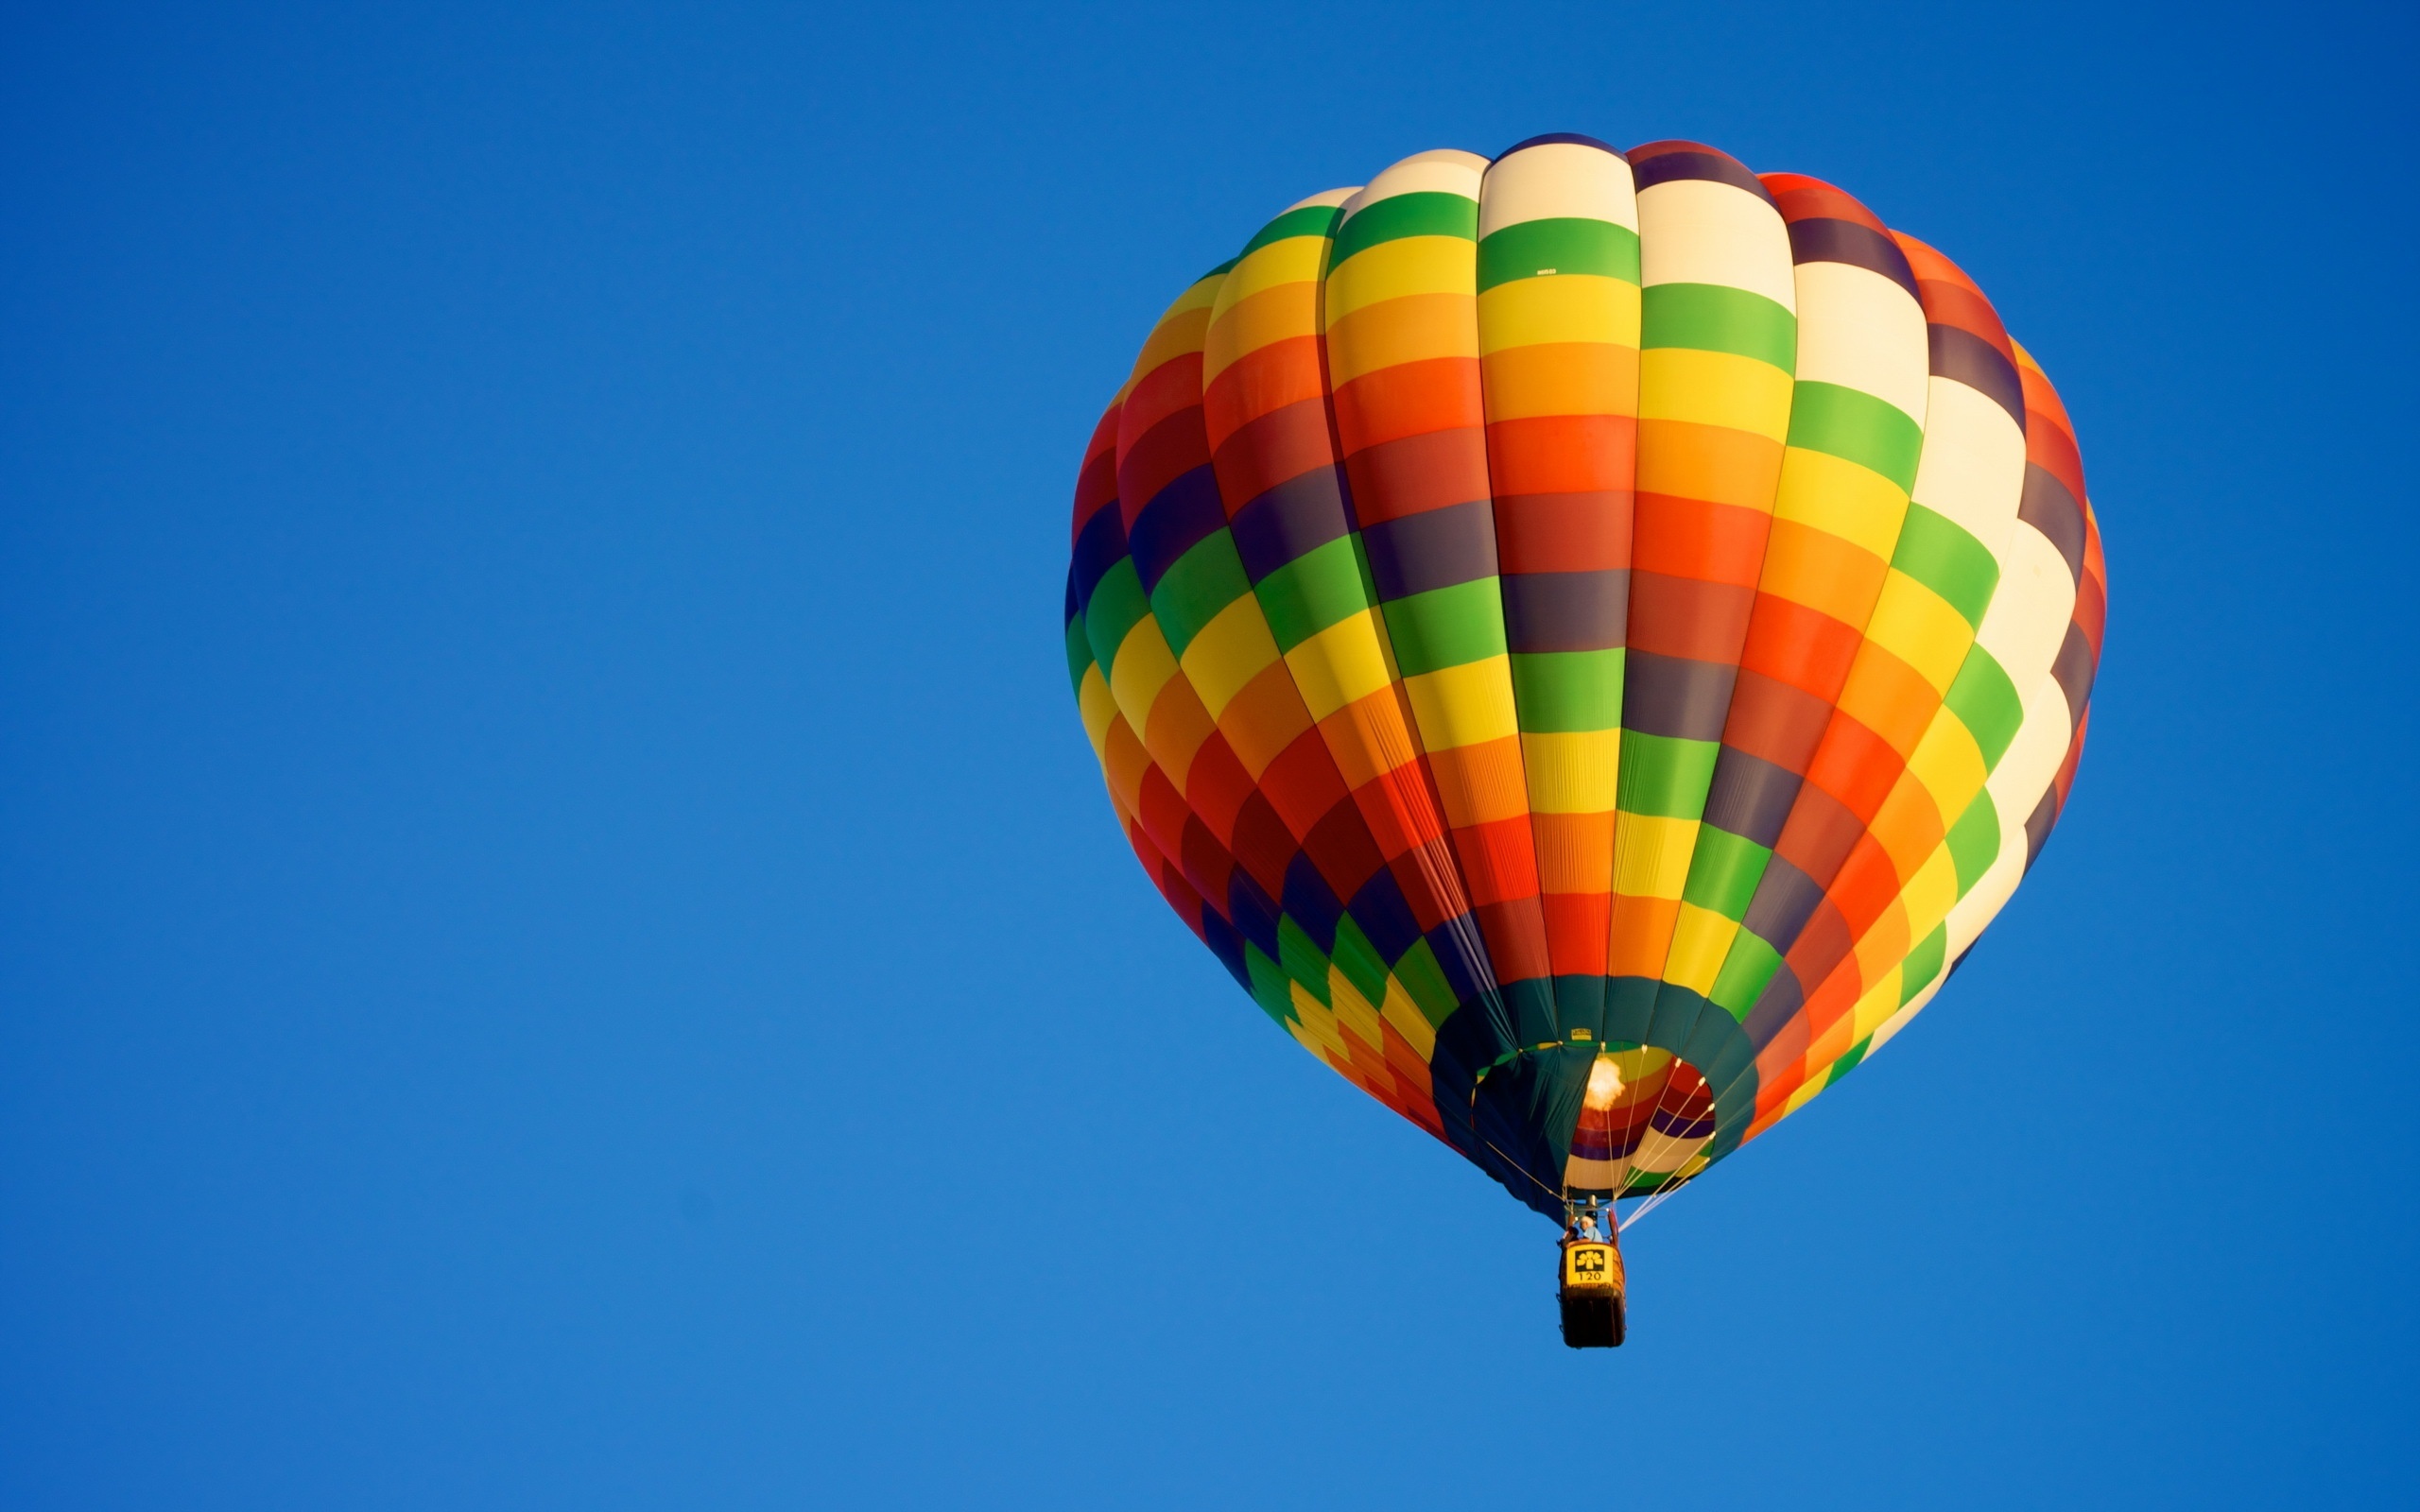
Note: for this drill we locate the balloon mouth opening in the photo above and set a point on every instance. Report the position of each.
(1645, 1120)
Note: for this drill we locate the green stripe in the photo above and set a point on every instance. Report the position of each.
(1849, 1061)
(1267, 985)
(1219, 272)
(1857, 428)
(1359, 961)
(1937, 553)
(1751, 964)
(1665, 775)
(1985, 702)
(1313, 592)
(1568, 691)
(1923, 964)
(1447, 627)
(1312, 220)
(1724, 872)
(1117, 606)
(1717, 318)
(1558, 245)
(1303, 959)
(1974, 841)
(1203, 581)
(1424, 982)
(1080, 653)
(1432, 213)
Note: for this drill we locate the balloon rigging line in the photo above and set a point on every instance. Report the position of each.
(1655, 1199)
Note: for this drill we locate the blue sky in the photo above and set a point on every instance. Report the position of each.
(561, 945)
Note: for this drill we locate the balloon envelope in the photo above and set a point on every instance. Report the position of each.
(1588, 640)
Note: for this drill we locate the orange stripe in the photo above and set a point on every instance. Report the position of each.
(1408, 399)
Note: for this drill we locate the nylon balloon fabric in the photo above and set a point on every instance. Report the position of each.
(1588, 639)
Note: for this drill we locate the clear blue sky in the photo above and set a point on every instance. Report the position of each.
(560, 944)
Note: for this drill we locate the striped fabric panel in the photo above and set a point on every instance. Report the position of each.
(1127, 766)
(1718, 343)
(1897, 749)
(1926, 976)
(1558, 336)
(1526, 604)
(1401, 321)
(2053, 664)
(1281, 488)
(2079, 660)
(1856, 431)
(1251, 796)
(2030, 629)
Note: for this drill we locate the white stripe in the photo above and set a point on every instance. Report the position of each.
(1694, 231)
(1560, 178)
(1443, 171)
(1861, 331)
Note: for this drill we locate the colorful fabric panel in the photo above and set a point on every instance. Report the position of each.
(1588, 639)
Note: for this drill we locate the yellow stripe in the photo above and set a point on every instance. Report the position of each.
(1317, 1029)
(1919, 627)
(1464, 705)
(1339, 664)
(1098, 706)
(1699, 941)
(1142, 666)
(1407, 1019)
(1714, 388)
(1949, 764)
(1572, 772)
(1930, 893)
(1229, 652)
(1294, 260)
(1881, 1001)
(1652, 854)
(1409, 264)
(1567, 307)
(1353, 1011)
(1840, 498)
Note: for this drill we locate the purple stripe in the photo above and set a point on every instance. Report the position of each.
(1776, 1007)
(2039, 823)
(1714, 168)
(1823, 240)
(1435, 548)
(1291, 520)
(1551, 137)
(1670, 696)
(1566, 611)
(1751, 796)
(1785, 899)
(2075, 668)
(1178, 517)
(1100, 548)
(1961, 354)
(2047, 507)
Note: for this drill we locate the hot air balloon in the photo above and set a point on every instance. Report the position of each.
(1588, 640)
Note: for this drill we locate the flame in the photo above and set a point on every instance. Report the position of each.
(1604, 1083)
